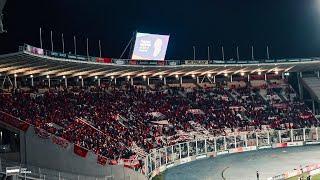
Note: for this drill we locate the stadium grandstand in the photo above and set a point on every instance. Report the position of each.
(81, 117)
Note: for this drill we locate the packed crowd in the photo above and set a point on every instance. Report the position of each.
(109, 120)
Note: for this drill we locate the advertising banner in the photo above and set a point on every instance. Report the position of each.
(196, 62)
(119, 61)
(299, 143)
(150, 46)
(35, 50)
(185, 160)
(103, 60)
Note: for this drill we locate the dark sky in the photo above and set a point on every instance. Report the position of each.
(290, 27)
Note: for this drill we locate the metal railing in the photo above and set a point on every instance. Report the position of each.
(161, 159)
(37, 173)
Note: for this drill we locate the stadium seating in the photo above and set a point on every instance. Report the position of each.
(121, 122)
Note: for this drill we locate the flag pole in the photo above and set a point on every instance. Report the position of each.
(268, 56)
(62, 43)
(100, 48)
(88, 48)
(51, 40)
(194, 53)
(75, 45)
(238, 57)
(222, 50)
(40, 38)
(208, 53)
(252, 55)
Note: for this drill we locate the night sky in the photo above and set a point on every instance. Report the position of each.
(290, 27)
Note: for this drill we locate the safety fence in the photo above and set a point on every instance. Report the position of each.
(38, 173)
(161, 159)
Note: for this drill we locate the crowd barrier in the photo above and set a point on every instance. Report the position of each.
(161, 159)
(39, 51)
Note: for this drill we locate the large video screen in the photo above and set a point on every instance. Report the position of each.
(150, 46)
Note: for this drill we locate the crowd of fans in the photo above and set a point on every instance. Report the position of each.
(109, 120)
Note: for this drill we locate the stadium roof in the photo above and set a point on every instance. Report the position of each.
(25, 63)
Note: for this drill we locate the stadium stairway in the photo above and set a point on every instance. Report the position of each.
(281, 96)
(232, 96)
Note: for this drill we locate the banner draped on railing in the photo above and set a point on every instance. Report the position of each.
(102, 160)
(4, 117)
(80, 151)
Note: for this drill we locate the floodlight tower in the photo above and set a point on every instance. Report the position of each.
(2, 4)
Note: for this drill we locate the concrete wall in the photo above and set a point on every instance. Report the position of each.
(39, 152)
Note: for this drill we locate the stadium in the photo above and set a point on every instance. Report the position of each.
(85, 117)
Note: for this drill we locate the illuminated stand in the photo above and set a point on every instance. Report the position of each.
(161, 159)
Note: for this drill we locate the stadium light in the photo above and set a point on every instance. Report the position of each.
(177, 76)
(209, 75)
(193, 76)
(15, 75)
(96, 77)
(63, 77)
(144, 77)
(48, 76)
(31, 76)
(112, 77)
(259, 73)
(160, 76)
(80, 77)
(242, 73)
(128, 77)
(226, 74)
(276, 72)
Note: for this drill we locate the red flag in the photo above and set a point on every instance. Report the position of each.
(80, 151)
(102, 160)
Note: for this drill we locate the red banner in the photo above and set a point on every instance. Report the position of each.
(131, 163)
(305, 116)
(113, 162)
(102, 160)
(104, 60)
(60, 141)
(80, 151)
